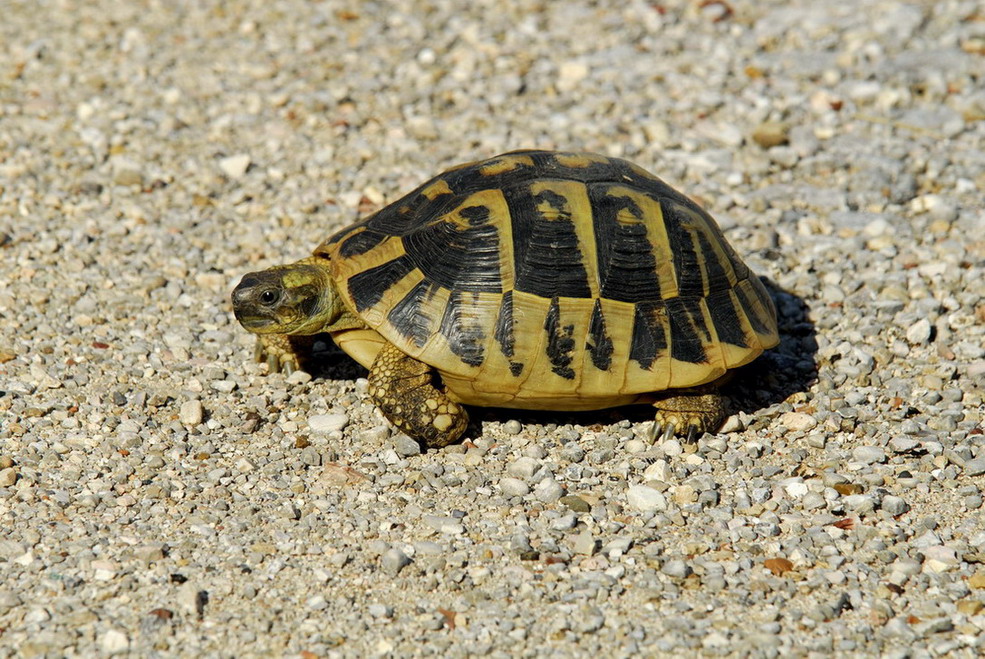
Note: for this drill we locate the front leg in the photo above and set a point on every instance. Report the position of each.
(279, 352)
(403, 389)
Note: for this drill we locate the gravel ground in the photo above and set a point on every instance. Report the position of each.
(161, 496)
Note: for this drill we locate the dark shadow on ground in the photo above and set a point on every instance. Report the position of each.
(788, 368)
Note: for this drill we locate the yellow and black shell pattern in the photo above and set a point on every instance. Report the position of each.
(538, 276)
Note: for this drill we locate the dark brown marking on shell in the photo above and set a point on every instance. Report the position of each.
(559, 342)
(464, 335)
(409, 212)
(686, 322)
(368, 287)
(750, 310)
(715, 272)
(457, 258)
(504, 325)
(687, 264)
(360, 243)
(755, 319)
(725, 319)
(649, 338)
(408, 317)
(599, 344)
(504, 332)
(626, 264)
(548, 260)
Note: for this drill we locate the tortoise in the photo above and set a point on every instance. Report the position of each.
(534, 280)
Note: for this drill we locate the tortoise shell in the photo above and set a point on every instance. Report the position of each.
(553, 280)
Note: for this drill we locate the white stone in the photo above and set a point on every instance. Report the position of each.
(524, 468)
(796, 490)
(658, 471)
(114, 642)
(548, 490)
(327, 423)
(919, 332)
(798, 421)
(191, 412)
(235, 166)
(939, 558)
(646, 499)
(570, 74)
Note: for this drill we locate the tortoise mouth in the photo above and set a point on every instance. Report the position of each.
(256, 323)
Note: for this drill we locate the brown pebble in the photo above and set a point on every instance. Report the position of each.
(770, 133)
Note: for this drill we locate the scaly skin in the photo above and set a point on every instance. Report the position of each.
(693, 413)
(402, 388)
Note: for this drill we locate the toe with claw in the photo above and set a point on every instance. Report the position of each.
(276, 351)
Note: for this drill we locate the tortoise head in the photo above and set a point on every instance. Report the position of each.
(292, 299)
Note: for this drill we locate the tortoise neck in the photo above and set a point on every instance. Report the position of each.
(328, 307)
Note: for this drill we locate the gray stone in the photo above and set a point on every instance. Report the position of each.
(974, 467)
(113, 642)
(894, 505)
(676, 568)
(512, 427)
(587, 620)
(869, 454)
(514, 487)
(405, 445)
(393, 561)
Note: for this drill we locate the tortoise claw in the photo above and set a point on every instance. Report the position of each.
(273, 364)
(692, 433)
(258, 351)
(668, 433)
(287, 366)
(656, 429)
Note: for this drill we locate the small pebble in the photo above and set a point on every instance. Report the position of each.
(576, 503)
(646, 499)
(405, 445)
(919, 333)
(191, 412)
(514, 487)
(676, 568)
(894, 505)
(869, 454)
(235, 166)
(798, 421)
(326, 423)
(974, 467)
(113, 642)
(393, 561)
(548, 490)
(8, 477)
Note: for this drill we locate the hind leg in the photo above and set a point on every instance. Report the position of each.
(690, 413)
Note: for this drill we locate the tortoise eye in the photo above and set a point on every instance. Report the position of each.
(269, 296)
